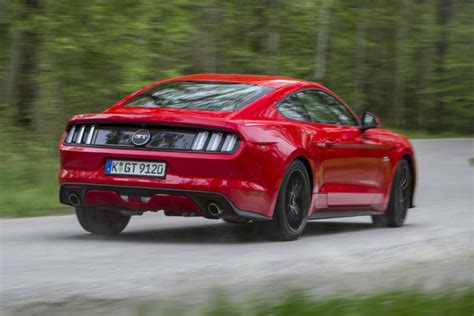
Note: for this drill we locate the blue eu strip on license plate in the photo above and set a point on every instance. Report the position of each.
(135, 168)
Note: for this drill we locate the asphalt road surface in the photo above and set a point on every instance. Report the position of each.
(49, 264)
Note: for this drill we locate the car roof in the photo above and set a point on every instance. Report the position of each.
(268, 81)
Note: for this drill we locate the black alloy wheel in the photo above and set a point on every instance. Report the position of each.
(400, 198)
(291, 210)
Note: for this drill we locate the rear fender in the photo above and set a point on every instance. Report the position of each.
(401, 152)
(278, 145)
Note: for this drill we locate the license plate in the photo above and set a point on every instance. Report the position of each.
(135, 168)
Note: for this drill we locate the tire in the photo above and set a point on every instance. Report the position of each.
(291, 210)
(400, 198)
(101, 222)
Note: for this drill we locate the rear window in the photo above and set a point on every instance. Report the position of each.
(198, 95)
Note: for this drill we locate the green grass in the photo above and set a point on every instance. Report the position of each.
(28, 186)
(28, 175)
(452, 302)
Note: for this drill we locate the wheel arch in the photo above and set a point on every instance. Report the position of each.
(411, 164)
(308, 167)
(295, 156)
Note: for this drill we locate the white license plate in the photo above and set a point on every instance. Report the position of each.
(135, 168)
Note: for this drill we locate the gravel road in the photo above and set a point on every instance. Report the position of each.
(50, 260)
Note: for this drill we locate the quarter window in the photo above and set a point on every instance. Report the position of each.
(291, 107)
(344, 115)
(312, 105)
(318, 110)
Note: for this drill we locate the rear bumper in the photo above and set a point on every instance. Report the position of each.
(179, 202)
(245, 182)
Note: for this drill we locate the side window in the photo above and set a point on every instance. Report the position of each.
(317, 108)
(343, 114)
(291, 107)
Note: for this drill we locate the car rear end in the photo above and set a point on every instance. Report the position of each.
(183, 161)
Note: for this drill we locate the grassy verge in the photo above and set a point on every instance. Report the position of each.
(29, 187)
(28, 182)
(453, 302)
(450, 302)
(28, 177)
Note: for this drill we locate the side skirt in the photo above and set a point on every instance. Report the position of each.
(336, 214)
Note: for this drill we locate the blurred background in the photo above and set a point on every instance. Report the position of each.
(408, 61)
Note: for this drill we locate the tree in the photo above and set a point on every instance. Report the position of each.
(25, 49)
(322, 41)
(360, 61)
(443, 15)
(273, 35)
(399, 91)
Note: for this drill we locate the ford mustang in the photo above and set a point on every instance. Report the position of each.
(271, 151)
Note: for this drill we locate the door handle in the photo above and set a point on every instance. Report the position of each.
(330, 142)
(327, 143)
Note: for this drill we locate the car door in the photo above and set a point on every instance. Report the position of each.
(351, 164)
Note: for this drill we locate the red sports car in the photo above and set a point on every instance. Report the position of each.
(274, 151)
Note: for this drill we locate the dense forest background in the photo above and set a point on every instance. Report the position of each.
(411, 62)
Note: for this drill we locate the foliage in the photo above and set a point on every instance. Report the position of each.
(28, 182)
(382, 56)
(408, 61)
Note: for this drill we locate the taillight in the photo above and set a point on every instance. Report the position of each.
(200, 141)
(229, 143)
(215, 142)
(80, 134)
(161, 138)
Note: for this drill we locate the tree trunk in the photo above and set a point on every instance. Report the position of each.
(361, 36)
(273, 35)
(400, 64)
(11, 71)
(444, 11)
(25, 65)
(4, 73)
(257, 35)
(422, 58)
(322, 40)
(375, 64)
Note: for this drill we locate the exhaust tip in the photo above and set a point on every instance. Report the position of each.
(214, 209)
(74, 199)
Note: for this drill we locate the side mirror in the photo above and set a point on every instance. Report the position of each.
(369, 121)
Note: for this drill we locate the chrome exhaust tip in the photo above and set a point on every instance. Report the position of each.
(214, 209)
(74, 199)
